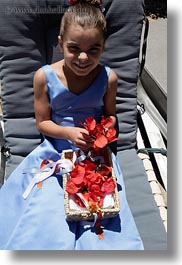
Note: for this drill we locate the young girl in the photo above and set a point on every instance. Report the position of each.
(66, 93)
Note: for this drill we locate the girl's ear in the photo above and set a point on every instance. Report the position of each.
(60, 42)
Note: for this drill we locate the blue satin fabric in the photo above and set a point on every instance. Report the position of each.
(39, 223)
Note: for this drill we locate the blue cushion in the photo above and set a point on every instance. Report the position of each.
(28, 41)
(141, 201)
(22, 52)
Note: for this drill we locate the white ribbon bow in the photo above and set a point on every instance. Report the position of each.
(64, 166)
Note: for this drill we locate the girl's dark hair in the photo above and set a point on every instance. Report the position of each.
(87, 14)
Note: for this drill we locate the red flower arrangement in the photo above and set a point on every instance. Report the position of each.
(91, 179)
(94, 179)
(101, 132)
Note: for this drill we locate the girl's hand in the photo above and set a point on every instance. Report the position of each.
(80, 138)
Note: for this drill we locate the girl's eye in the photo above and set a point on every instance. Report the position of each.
(73, 48)
(94, 50)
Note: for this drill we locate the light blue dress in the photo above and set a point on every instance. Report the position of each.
(38, 222)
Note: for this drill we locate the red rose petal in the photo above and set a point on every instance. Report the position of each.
(107, 122)
(71, 188)
(101, 141)
(108, 186)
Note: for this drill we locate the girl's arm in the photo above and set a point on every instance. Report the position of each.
(110, 97)
(79, 136)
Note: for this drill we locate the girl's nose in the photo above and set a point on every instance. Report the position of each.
(83, 56)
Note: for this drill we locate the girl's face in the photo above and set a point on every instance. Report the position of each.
(82, 49)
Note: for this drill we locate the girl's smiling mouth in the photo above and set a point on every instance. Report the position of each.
(82, 66)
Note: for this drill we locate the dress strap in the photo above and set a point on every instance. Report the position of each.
(108, 69)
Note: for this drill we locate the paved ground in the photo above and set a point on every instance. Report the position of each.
(156, 59)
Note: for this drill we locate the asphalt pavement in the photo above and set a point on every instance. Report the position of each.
(156, 57)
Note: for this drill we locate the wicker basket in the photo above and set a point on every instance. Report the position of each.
(84, 213)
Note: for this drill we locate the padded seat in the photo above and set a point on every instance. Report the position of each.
(141, 201)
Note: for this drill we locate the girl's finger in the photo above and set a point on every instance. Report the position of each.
(87, 138)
